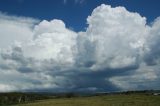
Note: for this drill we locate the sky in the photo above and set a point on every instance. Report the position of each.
(74, 12)
(79, 45)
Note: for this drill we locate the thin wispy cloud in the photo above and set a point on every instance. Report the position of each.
(74, 1)
(64, 1)
(79, 1)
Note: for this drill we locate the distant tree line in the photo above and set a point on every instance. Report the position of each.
(16, 98)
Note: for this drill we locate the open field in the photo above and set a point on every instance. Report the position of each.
(108, 100)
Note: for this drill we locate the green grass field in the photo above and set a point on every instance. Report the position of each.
(108, 100)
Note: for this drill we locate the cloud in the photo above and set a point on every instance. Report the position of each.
(79, 1)
(145, 77)
(75, 1)
(118, 51)
(64, 1)
(109, 27)
(152, 56)
(15, 29)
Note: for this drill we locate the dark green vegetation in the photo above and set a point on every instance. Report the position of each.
(131, 98)
(16, 98)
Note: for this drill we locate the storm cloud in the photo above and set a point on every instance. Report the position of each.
(118, 51)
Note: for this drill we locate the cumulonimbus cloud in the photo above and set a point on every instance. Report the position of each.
(118, 51)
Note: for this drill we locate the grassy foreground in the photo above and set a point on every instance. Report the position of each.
(108, 100)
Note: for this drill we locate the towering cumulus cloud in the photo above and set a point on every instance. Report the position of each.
(118, 51)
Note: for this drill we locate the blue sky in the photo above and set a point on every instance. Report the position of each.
(79, 45)
(74, 13)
